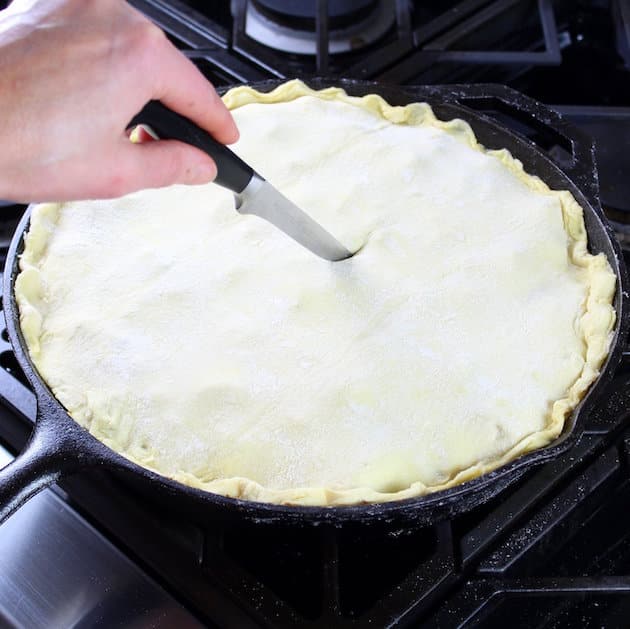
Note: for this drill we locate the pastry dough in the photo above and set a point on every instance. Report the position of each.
(211, 348)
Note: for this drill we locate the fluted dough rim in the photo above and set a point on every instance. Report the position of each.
(594, 326)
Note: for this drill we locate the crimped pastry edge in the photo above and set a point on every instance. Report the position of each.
(594, 327)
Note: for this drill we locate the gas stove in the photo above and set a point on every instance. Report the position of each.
(551, 551)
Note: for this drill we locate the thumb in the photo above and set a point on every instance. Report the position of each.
(155, 164)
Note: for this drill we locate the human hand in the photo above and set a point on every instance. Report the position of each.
(73, 73)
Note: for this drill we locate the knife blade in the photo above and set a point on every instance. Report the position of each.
(253, 194)
(261, 199)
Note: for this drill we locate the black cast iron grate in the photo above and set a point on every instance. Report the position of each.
(466, 33)
(430, 41)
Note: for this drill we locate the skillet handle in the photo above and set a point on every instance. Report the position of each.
(581, 167)
(232, 172)
(52, 451)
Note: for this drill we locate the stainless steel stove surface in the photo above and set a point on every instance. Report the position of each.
(551, 551)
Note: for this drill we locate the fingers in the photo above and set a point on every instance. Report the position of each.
(124, 168)
(149, 164)
(183, 88)
(165, 162)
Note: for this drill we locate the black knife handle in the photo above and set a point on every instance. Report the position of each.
(232, 172)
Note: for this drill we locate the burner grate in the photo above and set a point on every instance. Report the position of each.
(420, 44)
(543, 47)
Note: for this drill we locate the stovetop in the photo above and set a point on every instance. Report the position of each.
(552, 551)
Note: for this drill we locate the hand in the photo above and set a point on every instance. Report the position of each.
(72, 75)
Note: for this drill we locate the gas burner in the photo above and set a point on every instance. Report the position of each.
(346, 10)
(293, 26)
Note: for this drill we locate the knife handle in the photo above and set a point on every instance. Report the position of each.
(232, 172)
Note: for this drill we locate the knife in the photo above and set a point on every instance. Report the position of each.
(254, 195)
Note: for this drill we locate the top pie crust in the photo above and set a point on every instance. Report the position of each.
(211, 348)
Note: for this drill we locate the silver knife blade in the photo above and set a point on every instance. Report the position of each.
(260, 198)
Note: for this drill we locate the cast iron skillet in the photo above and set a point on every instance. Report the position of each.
(59, 446)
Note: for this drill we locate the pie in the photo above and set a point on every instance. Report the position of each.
(213, 349)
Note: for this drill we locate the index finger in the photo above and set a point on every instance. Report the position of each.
(184, 89)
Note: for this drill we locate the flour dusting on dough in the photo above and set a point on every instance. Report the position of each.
(209, 347)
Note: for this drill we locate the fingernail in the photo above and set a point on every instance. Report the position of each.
(142, 133)
(134, 136)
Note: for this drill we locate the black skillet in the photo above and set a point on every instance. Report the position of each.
(59, 446)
